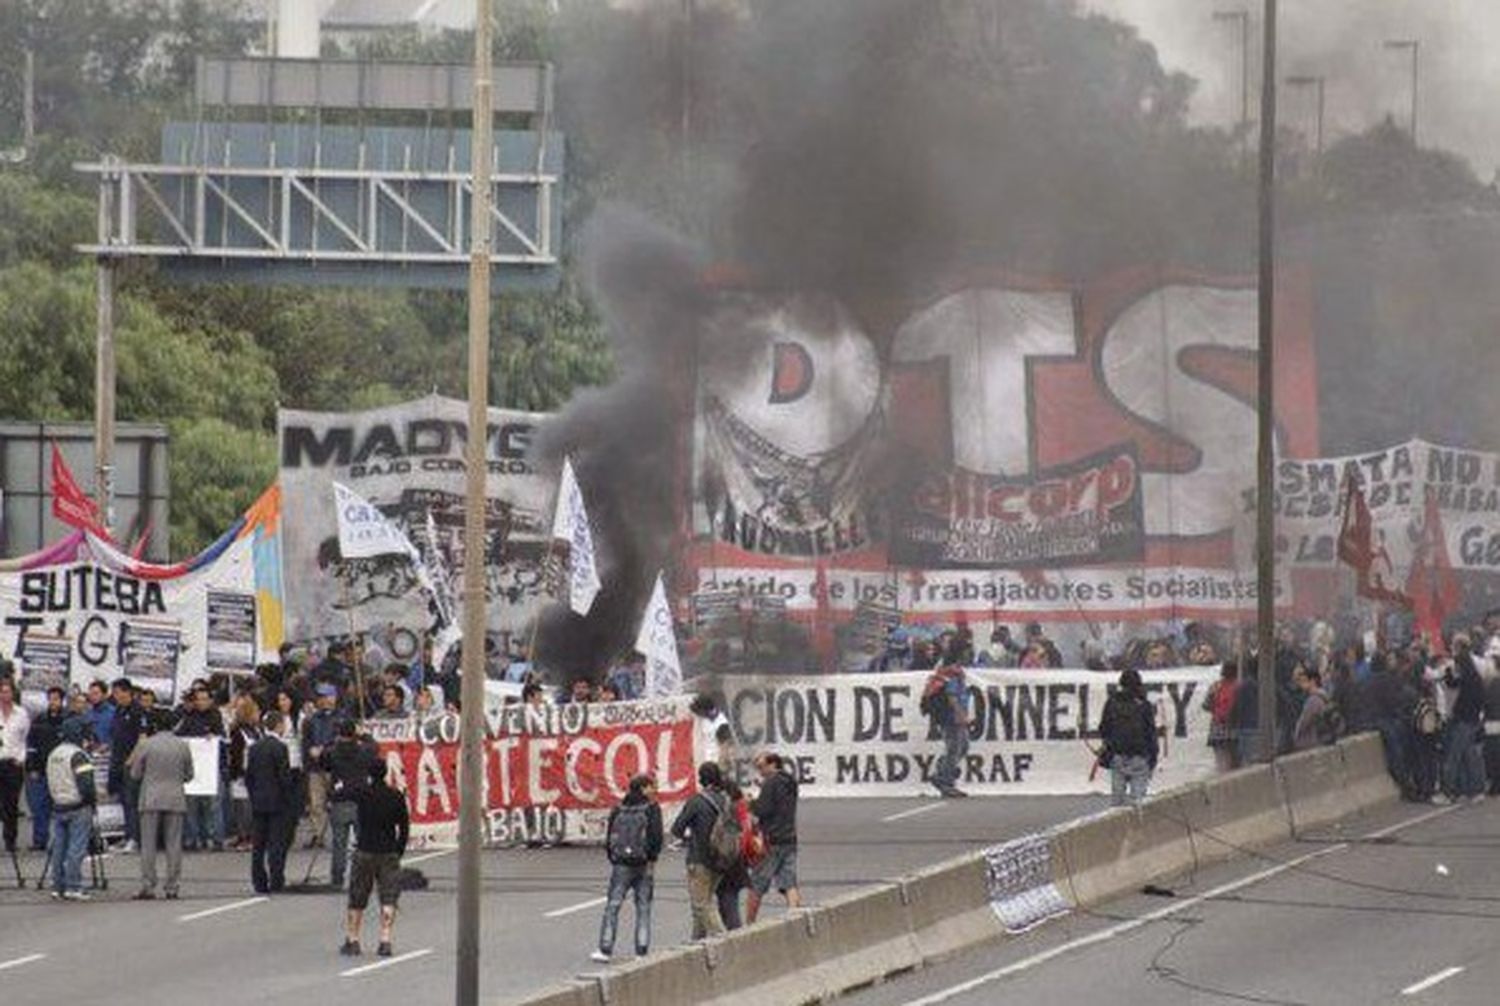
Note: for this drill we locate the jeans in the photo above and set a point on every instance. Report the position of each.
(71, 830)
(728, 897)
(39, 800)
(1128, 778)
(703, 885)
(1424, 765)
(624, 880)
(950, 764)
(342, 815)
(268, 850)
(1463, 763)
(10, 801)
(203, 822)
(168, 825)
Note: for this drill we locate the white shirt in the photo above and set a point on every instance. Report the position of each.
(13, 730)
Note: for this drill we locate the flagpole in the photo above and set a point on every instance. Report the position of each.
(476, 470)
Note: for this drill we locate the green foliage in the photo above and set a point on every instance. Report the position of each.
(226, 467)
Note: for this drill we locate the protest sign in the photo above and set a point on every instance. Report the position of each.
(552, 773)
(205, 751)
(1032, 732)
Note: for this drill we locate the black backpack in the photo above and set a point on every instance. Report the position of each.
(725, 837)
(629, 835)
(1126, 727)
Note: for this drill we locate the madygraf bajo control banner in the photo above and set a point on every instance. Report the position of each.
(1031, 732)
(551, 773)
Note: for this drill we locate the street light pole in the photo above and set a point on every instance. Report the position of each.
(1318, 82)
(1265, 447)
(1241, 17)
(476, 471)
(1415, 47)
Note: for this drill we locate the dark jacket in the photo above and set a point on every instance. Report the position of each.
(129, 722)
(1120, 737)
(319, 730)
(383, 822)
(268, 776)
(41, 739)
(1468, 706)
(655, 831)
(348, 762)
(201, 723)
(776, 810)
(694, 822)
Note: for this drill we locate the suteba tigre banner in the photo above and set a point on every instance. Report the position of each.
(552, 773)
(1031, 732)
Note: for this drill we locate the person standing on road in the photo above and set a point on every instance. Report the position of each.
(40, 740)
(268, 779)
(203, 721)
(384, 827)
(694, 825)
(70, 783)
(1463, 760)
(129, 719)
(346, 764)
(737, 878)
(162, 765)
(318, 733)
(15, 724)
(775, 809)
(633, 841)
(945, 702)
(1127, 730)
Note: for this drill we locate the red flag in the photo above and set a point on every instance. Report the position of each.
(1431, 585)
(1356, 548)
(70, 504)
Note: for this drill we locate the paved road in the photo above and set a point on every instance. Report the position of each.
(541, 914)
(1412, 916)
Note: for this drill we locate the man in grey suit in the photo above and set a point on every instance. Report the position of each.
(163, 763)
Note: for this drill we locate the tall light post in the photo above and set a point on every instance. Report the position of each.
(1265, 440)
(1415, 48)
(476, 471)
(1241, 17)
(1308, 80)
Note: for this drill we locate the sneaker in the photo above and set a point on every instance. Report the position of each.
(171, 895)
(55, 895)
(384, 950)
(350, 948)
(77, 896)
(1477, 798)
(130, 847)
(600, 957)
(1439, 800)
(145, 896)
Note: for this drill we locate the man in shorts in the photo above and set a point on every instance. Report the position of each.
(775, 810)
(384, 826)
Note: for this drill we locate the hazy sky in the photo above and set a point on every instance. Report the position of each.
(1341, 40)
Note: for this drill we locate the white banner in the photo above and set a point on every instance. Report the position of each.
(408, 460)
(1031, 733)
(115, 622)
(205, 780)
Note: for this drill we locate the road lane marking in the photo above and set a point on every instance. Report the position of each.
(426, 856)
(1130, 925)
(221, 909)
(1431, 980)
(903, 815)
(385, 962)
(19, 961)
(582, 906)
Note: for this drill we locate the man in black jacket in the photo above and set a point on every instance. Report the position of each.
(384, 828)
(347, 763)
(633, 841)
(693, 825)
(1463, 762)
(41, 738)
(268, 777)
(775, 810)
(1128, 732)
(130, 718)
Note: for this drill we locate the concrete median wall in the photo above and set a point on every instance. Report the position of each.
(859, 938)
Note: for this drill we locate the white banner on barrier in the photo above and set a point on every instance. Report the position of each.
(1032, 732)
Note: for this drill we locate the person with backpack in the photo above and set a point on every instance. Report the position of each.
(633, 841)
(945, 703)
(713, 837)
(775, 809)
(737, 877)
(1127, 730)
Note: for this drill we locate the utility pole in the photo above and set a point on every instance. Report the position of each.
(1317, 82)
(476, 472)
(1241, 17)
(1415, 47)
(104, 359)
(1265, 447)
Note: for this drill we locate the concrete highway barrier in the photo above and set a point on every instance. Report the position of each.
(814, 954)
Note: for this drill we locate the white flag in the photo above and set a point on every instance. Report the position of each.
(570, 523)
(364, 531)
(658, 643)
(437, 572)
